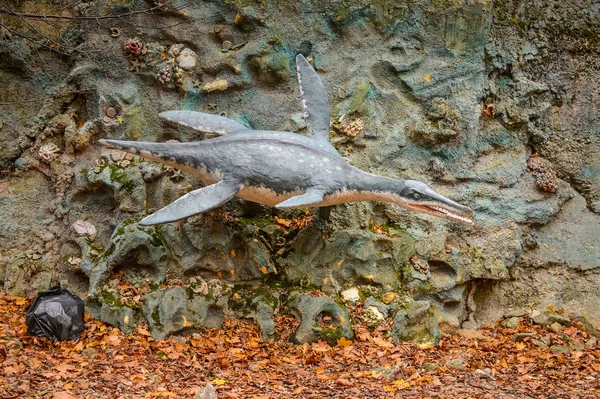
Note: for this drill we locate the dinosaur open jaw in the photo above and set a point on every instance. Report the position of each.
(441, 212)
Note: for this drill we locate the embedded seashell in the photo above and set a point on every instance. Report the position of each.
(187, 59)
(111, 112)
(48, 152)
(116, 156)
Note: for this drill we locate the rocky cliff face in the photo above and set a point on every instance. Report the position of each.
(494, 104)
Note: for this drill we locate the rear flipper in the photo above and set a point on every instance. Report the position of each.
(203, 122)
(194, 202)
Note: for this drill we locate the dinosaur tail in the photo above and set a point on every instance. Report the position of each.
(161, 152)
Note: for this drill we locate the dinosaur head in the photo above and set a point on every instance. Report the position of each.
(418, 197)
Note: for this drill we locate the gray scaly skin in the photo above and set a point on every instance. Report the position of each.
(280, 169)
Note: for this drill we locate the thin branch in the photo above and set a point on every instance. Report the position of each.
(152, 10)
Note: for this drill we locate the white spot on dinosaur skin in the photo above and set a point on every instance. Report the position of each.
(301, 160)
(325, 159)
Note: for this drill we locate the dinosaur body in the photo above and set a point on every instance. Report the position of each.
(280, 169)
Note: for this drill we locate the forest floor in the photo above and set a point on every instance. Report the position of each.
(105, 363)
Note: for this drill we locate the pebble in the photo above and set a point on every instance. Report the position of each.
(430, 366)
(111, 112)
(351, 295)
(485, 373)
(512, 323)
(546, 340)
(555, 327)
(578, 346)
(47, 236)
(459, 364)
(515, 313)
(539, 343)
(590, 343)
(520, 337)
(560, 349)
(389, 298)
(82, 228)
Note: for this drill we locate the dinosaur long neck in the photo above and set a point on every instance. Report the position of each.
(375, 188)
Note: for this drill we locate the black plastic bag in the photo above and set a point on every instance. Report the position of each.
(56, 314)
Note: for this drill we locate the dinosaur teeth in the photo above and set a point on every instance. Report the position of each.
(450, 214)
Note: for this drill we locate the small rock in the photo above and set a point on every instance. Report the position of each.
(351, 295)
(470, 333)
(389, 298)
(430, 366)
(88, 352)
(485, 373)
(539, 343)
(547, 341)
(520, 337)
(540, 319)
(590, 343)
(578, 346)
(208, 392)
(560, 349)
(555, 327)
(82, 228)
(511, 323)
(388, 372)
(559, 318)
(459, 364)
(514, 313)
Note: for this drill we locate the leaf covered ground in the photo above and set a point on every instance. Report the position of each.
(105, 363)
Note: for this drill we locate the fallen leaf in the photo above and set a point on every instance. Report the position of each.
(63, 395)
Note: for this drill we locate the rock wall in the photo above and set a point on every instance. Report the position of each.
(495, 104)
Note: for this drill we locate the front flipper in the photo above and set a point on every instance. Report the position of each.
(309, 198)
(194, 202)
(314, 100)
(203, 122)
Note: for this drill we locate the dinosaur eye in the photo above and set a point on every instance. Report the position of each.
(416, 196)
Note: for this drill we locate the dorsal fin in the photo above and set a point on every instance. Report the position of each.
(314, 100)
(203, 122)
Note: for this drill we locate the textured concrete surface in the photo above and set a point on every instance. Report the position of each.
(458, 94)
